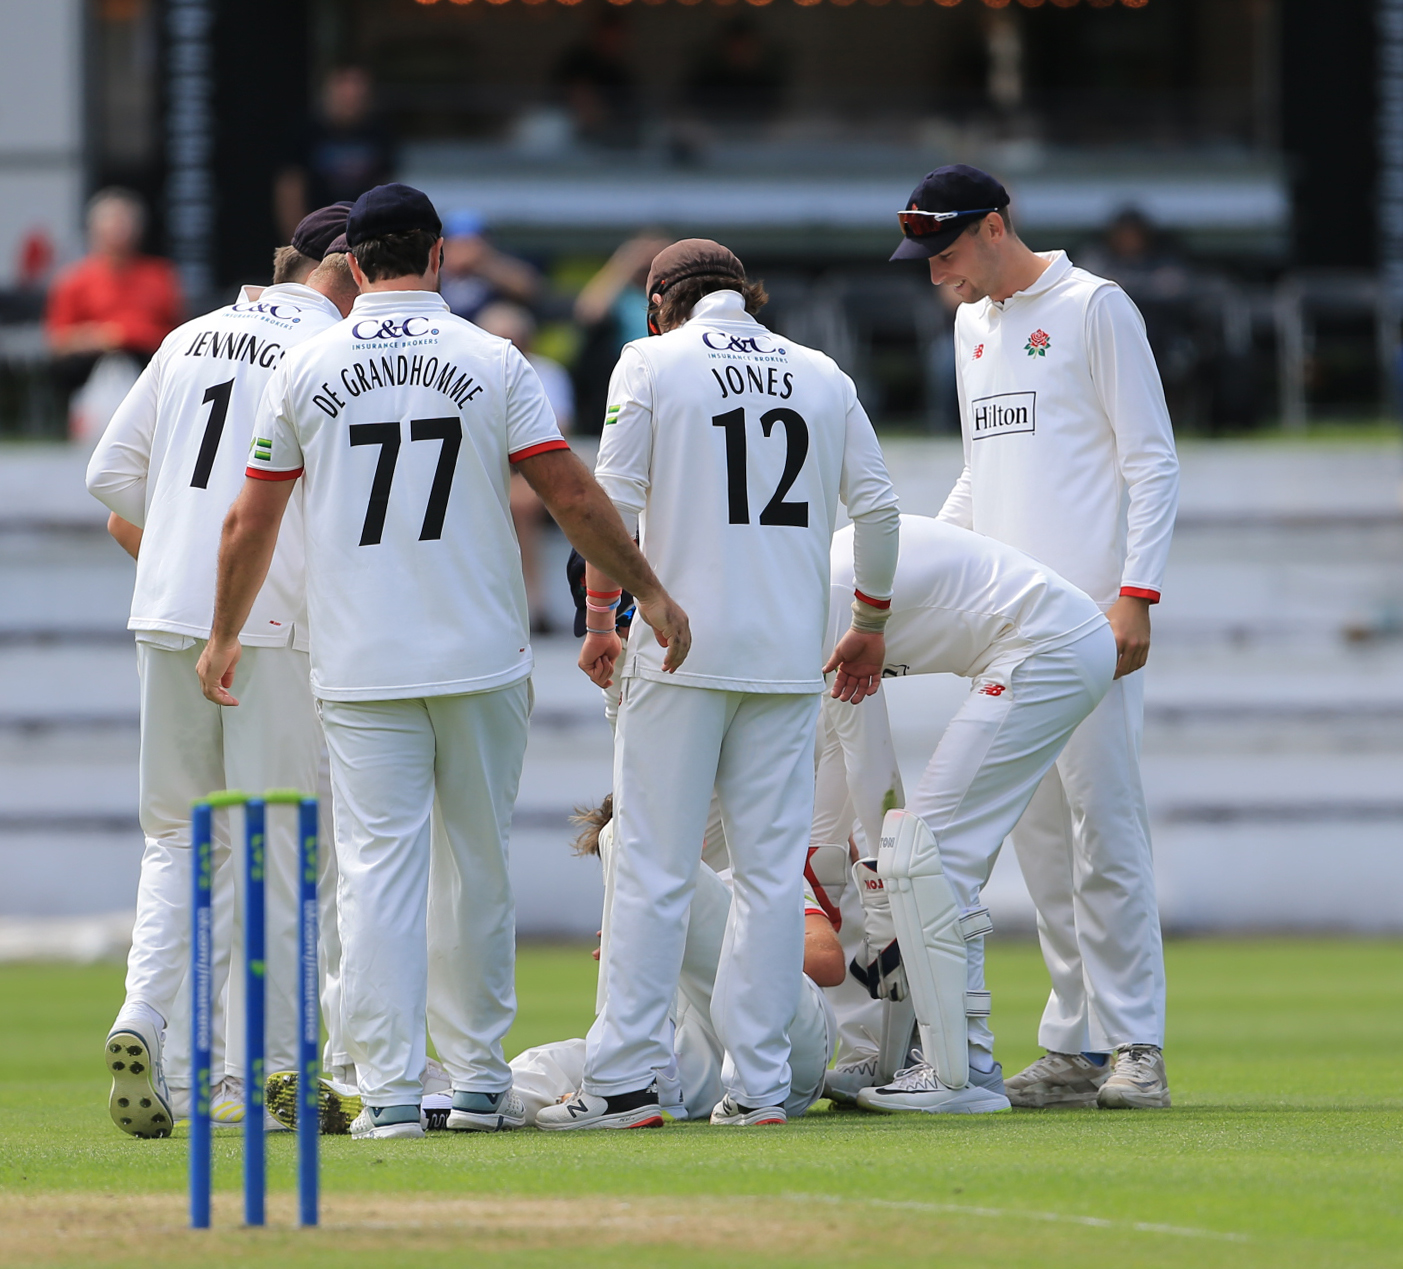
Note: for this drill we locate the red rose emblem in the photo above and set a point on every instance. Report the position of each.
(1038, 344)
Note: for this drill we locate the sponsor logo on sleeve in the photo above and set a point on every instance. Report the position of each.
(1038, 344)
(978, 352)
(1003, 414)
(263, 449)
(611, 415)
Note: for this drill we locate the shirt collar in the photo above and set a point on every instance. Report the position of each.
(297, 293)
(722, 306)
(399, 302)
(1058, 266)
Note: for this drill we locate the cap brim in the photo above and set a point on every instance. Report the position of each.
(924, 248)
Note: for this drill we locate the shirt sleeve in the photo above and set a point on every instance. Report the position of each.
(1128, 384)
(531, 425)
(624, 465)
(275, 453)
(118, 470)
(870, 497)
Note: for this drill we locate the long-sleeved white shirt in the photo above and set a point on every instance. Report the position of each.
(731, 447)
(172, 460)
(1069, 451)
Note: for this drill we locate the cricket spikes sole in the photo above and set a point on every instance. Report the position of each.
(1057, 1079)
(731, 1114)
(583, 1112)
(138, 1104)
(918, 1088)
(337, 1111)
(486, 1112)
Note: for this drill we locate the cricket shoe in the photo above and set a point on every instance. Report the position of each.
(227, 1103)
(436, 1107)
(1138, 1081)
(846, 1080)
(486, 1112)
(388, 1122)
(139, 1103)
(730, 1112)
(1058, 1079)
(584, 1111)
(919, 1088)
(337, 1107)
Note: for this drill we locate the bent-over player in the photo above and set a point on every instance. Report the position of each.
(403, 423)
(1040, 656)
(167, 467)
(1069, 456)
(730, 448)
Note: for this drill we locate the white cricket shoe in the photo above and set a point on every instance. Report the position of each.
(730, 1112)
(584, 1111)
(437, 1078)
(845, 1081)
(486, 1112)
(388, 1122)
(226, 1102)
(1058, 1079)
(1138, 1081)
(919, 1088)
(139, 1103)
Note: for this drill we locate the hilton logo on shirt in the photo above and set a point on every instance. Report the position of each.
(1004, 413)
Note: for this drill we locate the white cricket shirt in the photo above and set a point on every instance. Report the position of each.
(732, 448)
(172, 460)
(1069, 452)
(403, 421)
(963, 603)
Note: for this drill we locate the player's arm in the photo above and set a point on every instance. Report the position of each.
(245, 553)
(125, 534)
(593, 526)
(1128, 384)
(823, 954)
(121, 462)
(867, 492)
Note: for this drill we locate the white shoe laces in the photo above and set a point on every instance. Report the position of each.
(917, 1078)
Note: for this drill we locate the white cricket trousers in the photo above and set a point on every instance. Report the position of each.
(424, 791)
(1002, 741)
(1084, 847)
(674, 745)
(190, 747)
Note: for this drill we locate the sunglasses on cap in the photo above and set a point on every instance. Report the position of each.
(921, 224)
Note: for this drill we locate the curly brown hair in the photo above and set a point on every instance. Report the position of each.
(591, 822)
(681, 298)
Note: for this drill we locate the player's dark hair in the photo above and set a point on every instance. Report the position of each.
(591, 821)
(290, 265)
(395, 255)
(680, 298)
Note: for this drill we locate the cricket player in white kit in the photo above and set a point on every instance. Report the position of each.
(730, 448)
(1069, 456)
(168, 466)
(1039, 655)
(403, 423)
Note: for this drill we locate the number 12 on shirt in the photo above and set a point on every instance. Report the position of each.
(796, 437)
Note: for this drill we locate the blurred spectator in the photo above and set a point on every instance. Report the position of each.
(1136, 254)
(741, 78)
(35, 259)
(114, 299)
(475, 273)
(599, 85)
(613, 310)
(345, 151)
(513, 322)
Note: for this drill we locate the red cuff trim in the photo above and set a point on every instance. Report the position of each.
(543, 448)
(259, 474)
(882, 604)
(604, 594)
(1139, 592)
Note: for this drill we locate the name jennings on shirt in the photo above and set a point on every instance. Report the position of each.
(733, 378)
(228, 345)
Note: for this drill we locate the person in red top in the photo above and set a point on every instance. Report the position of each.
(114, 299)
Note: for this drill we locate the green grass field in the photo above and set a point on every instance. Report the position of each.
(1283, 1150)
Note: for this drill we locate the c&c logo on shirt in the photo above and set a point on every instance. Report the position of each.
(724, 342)
(1038, 344)
(1003, 413)
(978, 352)
(388, 328)
(279, 312)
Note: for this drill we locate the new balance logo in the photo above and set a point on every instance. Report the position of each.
(577, 1109)
(992, 689)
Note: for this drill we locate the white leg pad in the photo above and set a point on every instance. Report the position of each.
(898, 1019)
(928, 931)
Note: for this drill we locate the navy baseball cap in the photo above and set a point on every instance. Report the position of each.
(943, 206)
(391, 209)
(317, 230)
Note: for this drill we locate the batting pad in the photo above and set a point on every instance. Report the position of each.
(928, 930)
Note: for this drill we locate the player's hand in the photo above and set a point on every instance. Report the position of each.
(1130, 623)
(670, 627)
(598, 655)
(858, 660)
(216, 671)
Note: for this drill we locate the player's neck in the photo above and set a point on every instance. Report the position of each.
(409, 282)
(1021, 269)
